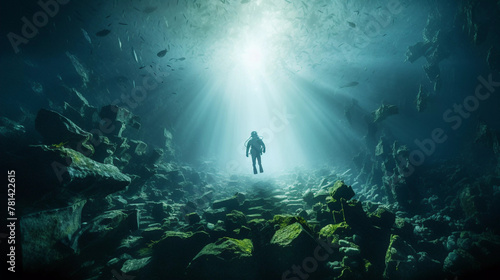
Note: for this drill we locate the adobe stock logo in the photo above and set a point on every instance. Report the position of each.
(30, 29)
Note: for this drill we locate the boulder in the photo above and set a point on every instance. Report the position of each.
(460, 261)
(382, 218)
(173, 252)
(286, 220)
(332, 231)
(227, 258)
(116, 118)
(213, 216)
(341, 190)
(103, 149)
(135, 266)
(351, 212)
(78, 173)
(58, 130)
(400, 261)
(152, 233)
(193, 218)
(77, 108)
(308, 197)
(231, 203)
(67, 176)
(50, 236)
(235, 220)
(105, 231)
(289, 246)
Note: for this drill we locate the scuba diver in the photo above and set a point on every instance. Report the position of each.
(258, 147)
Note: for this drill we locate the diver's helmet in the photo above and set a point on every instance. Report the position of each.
(254, 134)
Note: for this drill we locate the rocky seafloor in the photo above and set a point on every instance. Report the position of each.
(94, 203)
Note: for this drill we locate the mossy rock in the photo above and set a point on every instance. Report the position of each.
(227, 258)
(257, 223)
(193, 218)
(402, 228)
(234, 220)
(340, 229)
(286, 235)
(341, 190)
(231, 203)
(289, 245)
(286, 220)
(347, 274)
(152, 233)
(382, 218)
(397, 263)
(242, 232)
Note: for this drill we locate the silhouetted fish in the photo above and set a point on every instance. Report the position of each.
(103, 33)
(162, 53)
(351, 84)
(351, 24)
(86, 35)
(149, 10)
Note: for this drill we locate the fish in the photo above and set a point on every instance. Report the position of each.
(181, 59)
(122, 23)
(135, 55)
(351, 24)
(103, 32)
(351, 84)
(86, 35)
(120, 43)
(142, 67)
(162, 53)
(149, 10)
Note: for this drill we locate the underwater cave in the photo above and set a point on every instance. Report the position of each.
(250, 139)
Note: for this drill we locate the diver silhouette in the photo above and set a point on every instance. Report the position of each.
(258, 147)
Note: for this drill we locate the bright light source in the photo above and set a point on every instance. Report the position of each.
(253, 57)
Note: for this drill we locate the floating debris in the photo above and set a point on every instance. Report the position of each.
(162, 53)
(103, 32)
(422, 97)
(86, 35)
(80, 69)
(351, 84)
(384, 111)
(135, 55)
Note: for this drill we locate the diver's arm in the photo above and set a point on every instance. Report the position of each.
(248, 147)
(263, 146)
